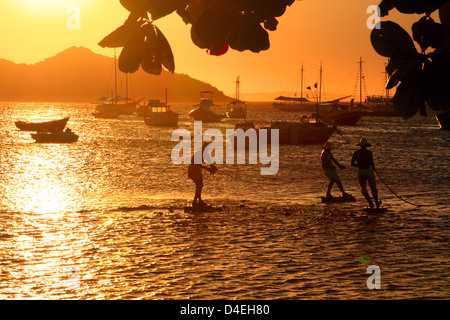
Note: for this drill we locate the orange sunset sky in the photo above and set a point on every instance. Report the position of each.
(310, 31)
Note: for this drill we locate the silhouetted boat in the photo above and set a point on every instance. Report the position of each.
(161, 115)
(237, 108)
(303, 132)
(443, 120)
(114, 106)
(293, 133)
(144, 110)
(309, 130)
(54, 125)
(283, 103)
(66, 136)
(341, 114)
(301, 104)
(106, 111)
(203, 112)
(378, 106)
(294, 103)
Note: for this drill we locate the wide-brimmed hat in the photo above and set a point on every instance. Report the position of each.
(363, 142)
(327, 146)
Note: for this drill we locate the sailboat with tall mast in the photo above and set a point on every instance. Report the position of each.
(113, 107)
(380, 106)
(345, 114)
(289, 103)
(237, 109)
(306, 131)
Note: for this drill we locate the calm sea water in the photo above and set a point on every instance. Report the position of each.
(103, 218)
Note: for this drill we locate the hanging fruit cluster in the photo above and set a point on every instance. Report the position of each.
(423, 78)
(217, 25)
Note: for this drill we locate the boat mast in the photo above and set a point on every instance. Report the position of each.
(320, 83)
(115, 77)
(386, 80)
(301, 87)
(237, 89)
(360, 82)
(320, 92)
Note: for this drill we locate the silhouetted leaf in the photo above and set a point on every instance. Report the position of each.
(151, 60)
(410, 6)
(248, 34)
(277, 7)
(161, 8)
(271, 24)
(444, 14)
(428, 33)
(165, 51)
(408, 99)
(132, 53)
(197, 8)
(385, 6)
(391, 39)
(151, 63)
(437, 82)
(211, 28)
(401, 69)
(119, 37)
(418, 6)
(135, 6)
(185, 15)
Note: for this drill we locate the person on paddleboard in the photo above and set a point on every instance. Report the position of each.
(363, 159)
(195, 173)
(329, 169)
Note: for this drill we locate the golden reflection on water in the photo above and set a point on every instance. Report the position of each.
(42, 180)
(65, 209)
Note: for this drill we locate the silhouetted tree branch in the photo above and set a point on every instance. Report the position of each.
(216, 25)
(423, 78)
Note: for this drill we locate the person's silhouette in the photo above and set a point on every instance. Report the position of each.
(363, 159)
(329, 169)
(195, 173)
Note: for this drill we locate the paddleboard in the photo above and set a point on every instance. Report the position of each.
(374, 210)
(349, 198)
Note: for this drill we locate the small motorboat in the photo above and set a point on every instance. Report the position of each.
(66, 136)
(203, 111)
(161, 116)
(341, 114)
(54, 125)
(106, 111)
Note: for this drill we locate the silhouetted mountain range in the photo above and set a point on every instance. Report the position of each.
(80, 75)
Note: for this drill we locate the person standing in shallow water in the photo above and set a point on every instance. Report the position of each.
(363, 159)
(329, 169)
(195, 173)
